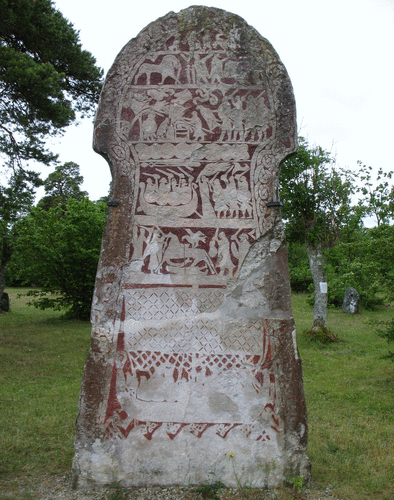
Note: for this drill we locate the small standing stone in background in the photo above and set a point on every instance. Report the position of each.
(4, 302)
(350, 301)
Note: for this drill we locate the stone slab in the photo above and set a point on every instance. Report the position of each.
(351, 301)
(193, 371)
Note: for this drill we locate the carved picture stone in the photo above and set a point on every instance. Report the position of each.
(193, 371)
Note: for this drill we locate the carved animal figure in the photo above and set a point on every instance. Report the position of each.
(168, 67)
(177, 254)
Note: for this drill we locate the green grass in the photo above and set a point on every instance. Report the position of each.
(349, 392)
(41, 371)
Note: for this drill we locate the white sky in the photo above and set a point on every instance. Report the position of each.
(339, 55)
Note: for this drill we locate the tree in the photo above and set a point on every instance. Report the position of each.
(378, 199)
(351, 264)
(15, 200)
(61, 185)
(58, 250)
(317, 198)
(378, 252)
(46, 79)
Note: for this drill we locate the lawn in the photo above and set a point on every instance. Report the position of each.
(349, 391)
(41, 371)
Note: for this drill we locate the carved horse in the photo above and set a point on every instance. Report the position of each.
(177, 254)
(168, 67)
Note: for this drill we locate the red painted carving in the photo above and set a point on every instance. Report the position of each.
(224, 429)
(195, 134)
(113, 402)
(199, 429)
(125, 431)
(174, 429)
(150, 428)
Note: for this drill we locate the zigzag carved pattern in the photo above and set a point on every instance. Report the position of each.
(172, 429)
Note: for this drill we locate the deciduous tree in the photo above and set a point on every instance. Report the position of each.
(317, 206)
(58, 250)
(377, 195)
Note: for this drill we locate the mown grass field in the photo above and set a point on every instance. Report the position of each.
(349, 391)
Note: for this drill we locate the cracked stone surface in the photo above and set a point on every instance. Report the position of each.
(193, 353)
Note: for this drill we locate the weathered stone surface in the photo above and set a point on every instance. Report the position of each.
(351, 301)
(193, 354)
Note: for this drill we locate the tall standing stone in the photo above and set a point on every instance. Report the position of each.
(193, 371)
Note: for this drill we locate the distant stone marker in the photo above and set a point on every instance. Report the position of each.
(193, 373)
(351, 301)
(4, 302)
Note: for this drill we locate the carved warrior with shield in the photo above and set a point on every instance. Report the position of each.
(193, 351)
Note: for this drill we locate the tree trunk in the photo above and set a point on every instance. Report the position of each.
(317, 263)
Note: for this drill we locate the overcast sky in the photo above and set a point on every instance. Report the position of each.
(339, 55)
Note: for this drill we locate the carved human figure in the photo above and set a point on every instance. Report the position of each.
(216, 73)
(230, 195)
(251, 119)
(256, 118)
(138, 242)
(149, 127)
(177, 255)
(234, 38)
(220, 42)
(137, 102)
(204, 186)
(231, 69)
(162, 131)
(236, 115)
(174, 47)
(200, 66)
(240, 247)
(220, 247)
(151, 188)
(206, 41)
(182, 190)
(210, 118)
(192, 41)
(163, 190)
(219, 198)
(224, 112)
(154, 250)
(244, 197)
(196, 126)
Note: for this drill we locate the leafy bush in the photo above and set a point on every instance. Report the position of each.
(58, 250)
(361, 263)
(357, 275)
